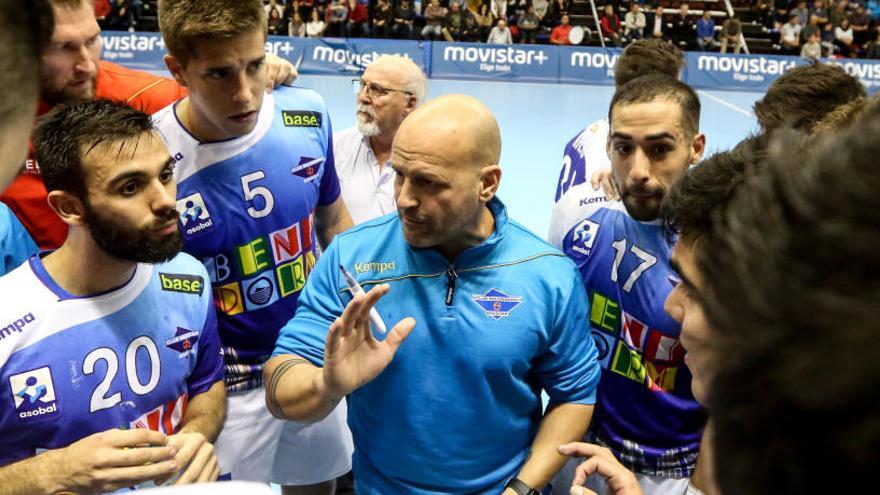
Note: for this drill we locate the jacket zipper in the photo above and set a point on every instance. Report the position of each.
(451, 276)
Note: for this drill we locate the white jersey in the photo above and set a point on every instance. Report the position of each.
(585, 154)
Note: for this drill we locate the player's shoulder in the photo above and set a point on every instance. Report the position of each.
(20, 289)
(597, 132)
(182, 263)
(577, 204)
(293, 98)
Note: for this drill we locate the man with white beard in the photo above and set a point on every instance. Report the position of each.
(390, 89)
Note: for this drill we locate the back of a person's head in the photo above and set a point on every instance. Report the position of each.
(794, 286)
(653, 87)
(804, 95)
(650, 56)
(25, 31)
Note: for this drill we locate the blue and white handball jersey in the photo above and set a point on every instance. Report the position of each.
(247, 212)
(584, 155)
(645, 410)
(127, 358)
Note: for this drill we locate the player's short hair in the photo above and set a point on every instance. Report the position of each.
(792, 290)
(25, 31)
(804, 95)
(185, 22)
(657, 86)
(648, 56)
(66, 136)
(694, 202)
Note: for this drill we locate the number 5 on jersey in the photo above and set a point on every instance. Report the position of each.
(255, 191)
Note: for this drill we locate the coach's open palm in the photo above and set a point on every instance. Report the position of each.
(352, 356)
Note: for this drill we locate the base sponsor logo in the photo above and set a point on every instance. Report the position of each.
(301, 118)
(187, 284)
(34, 394)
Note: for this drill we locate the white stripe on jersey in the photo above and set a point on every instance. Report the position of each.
(192, 156)
(576, 205)
(22, 293)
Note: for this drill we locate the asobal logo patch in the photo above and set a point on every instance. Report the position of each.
(301, 118)
(34, 394)
(188, 284)
(194, 215)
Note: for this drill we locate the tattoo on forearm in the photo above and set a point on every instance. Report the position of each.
(275, 379)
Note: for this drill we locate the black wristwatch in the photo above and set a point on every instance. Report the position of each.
(520, 487)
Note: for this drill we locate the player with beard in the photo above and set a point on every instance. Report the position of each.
(72, 70)
(390, 89)
(646, 413)
(110, 346)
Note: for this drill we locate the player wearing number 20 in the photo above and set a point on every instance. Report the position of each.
(645, 411)
(109, 354)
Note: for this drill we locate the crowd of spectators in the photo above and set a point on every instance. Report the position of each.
(811, 29)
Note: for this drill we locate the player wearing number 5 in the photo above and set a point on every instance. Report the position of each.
(109, 354)
(645, 411)
(256, 185)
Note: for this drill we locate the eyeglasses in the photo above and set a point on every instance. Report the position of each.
(374, 90)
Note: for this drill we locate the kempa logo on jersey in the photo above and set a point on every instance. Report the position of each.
(194, 215)
(16, 326)
(374, 266)
(188, 284)
(301, 118)
(34, 394)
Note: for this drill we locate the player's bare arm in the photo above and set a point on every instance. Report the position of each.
(563, 423)
(194, 441)
(330, 220)
(99, 463)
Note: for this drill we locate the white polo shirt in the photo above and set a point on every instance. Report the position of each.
(367, 192)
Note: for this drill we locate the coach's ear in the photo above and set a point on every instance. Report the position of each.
(175, 67)
(68, 207)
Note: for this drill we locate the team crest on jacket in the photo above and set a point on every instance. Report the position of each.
(497, 304)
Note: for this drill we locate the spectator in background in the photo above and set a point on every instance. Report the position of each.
(541, 9)
(790, 35)
(838, 13)
(610, 25)
(843, 36)
(820, 12)
(296, 27)
(404, 15)
(558, 8)
(434, 20)
(102, 10)
(316, 26)
(485, 21)
(873, 51)
(121, 16)
(358, 23)
(634, 23)
(471, 30)
(706, 32)
(500, 34)
(275, 23)
(559, 35)
(273, 5)
(383, 18)
(528, 24)
(657, 23)
(683, 27)
(801, 12)
(810, 28)
(861, 23)
(337, 15)
(812, 48)
(731, 32)
(498, 9)
(453, 23)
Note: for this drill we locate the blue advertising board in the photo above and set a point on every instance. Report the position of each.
(527, 63)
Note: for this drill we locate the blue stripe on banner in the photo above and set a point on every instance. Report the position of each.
(527, 63)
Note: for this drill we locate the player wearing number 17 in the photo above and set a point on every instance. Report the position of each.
(645, 411)
(256, 186)
(110, 367)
